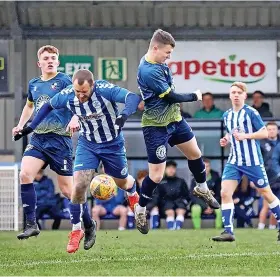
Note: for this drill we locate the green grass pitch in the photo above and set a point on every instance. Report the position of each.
(129, 253)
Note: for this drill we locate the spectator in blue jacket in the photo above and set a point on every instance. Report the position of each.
(47, 200)
(270, 148)
(114, 206)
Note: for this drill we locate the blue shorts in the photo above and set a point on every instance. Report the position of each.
(112, 154)
(157, 138)
(55, 150)
(255, 174)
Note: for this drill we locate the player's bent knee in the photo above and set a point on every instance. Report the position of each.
(25, 177)
(66, 191)
(226, 194)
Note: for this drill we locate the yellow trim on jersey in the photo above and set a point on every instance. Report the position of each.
(29, 102)
(164, 93)
(48, 79)
(149, 61)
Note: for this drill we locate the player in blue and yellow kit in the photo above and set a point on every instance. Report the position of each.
(244, 128)
(101, 138)
(163, 124)
(50, 144)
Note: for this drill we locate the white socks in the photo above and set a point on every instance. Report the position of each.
(203, 186)
(139, 209)
(77, 226)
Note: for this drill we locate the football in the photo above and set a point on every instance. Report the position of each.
(102, 187)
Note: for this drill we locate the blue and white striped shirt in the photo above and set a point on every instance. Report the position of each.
(98, 114)
(246, 152)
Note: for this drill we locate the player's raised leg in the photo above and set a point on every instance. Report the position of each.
(196, 165)
(128, 184)
(30, 166)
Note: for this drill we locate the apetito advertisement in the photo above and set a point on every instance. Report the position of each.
(214, 65)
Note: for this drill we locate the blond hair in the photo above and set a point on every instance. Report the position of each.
(240, 85)
(49, 49)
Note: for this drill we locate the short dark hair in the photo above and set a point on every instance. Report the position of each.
(83, 75)
(271, 123)
(171, 163)
(258, 92)
(208, 94)
(162, 37)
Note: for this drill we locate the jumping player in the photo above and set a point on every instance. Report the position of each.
(163, 124)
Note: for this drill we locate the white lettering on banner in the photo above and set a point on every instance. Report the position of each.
(70, 68)
(212, 66)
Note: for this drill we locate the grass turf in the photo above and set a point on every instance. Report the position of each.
(128, 253)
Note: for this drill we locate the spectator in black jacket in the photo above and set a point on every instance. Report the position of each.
(260, 105)
(243, 199)
(270, 148)
(173, 196)
(47, 200)
(198, 206)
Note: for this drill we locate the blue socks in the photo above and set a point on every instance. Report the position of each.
(29, 199)
(197, 168)
(79, 213)
(76, 212)
(86, 216)
(131, 190)
(227, 217)
(148, 186)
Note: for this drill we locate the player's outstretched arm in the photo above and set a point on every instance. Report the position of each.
(43, 112)
(174, 97)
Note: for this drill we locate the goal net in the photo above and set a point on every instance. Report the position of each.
(9, 199)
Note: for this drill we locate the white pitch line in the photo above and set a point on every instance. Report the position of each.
(136, 259)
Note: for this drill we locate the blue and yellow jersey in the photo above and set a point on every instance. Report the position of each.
(155, 81)
(39, 93)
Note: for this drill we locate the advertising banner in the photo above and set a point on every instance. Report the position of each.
(213, 65)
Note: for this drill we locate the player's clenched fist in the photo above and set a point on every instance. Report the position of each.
(223, 141)
(74, 125)
(16, 130)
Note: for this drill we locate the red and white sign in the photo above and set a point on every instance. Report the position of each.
(213, 65)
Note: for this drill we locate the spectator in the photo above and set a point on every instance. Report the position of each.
(113, 206)
(198, 206)
(243, 199)
(259, 105)
(208, 110)
(152, 208)
(172, 196)
(47, 200)
(184, 114)
(268, 148)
